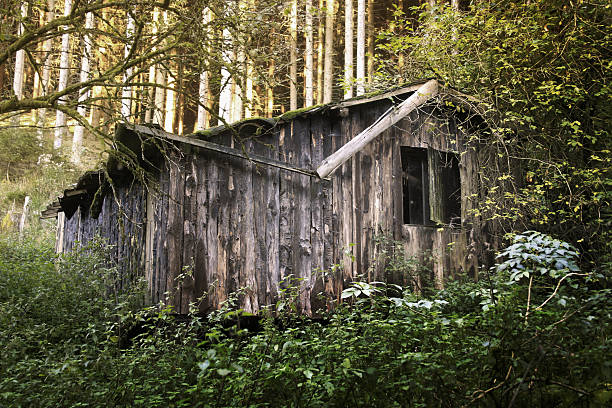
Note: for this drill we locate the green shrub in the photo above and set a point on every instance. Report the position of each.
(62, 325)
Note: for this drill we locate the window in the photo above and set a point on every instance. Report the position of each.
(431, 186)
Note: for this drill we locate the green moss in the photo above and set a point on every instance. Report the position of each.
(290, 115)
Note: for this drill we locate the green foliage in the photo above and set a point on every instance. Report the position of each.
(540, 73)
(19, 149)
(63, 328)
(28, 169)
(533, 252)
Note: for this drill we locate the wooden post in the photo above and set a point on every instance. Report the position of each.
(391, 117)
(24, 215)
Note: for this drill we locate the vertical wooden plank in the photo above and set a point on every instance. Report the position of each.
(367, 229)
(272, 224)
(59, 236)
(149, 241)
(248, 272)
(212, 238)
(190, 216)
(222, 271)
(287, 202)
(200, 269)
(329, 233)
(235, 213)
(160, 259)
(346, 207)
(356, 196)
(260, 185)
(334, 286)
(318, 132)
(302, 215)
(174, 234)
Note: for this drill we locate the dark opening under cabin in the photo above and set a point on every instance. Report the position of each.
(311, 198)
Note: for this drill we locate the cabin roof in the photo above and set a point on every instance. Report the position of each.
(86, 188)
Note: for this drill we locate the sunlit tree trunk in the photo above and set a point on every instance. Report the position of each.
(348, 49)
(293, 57)
(361, 18)
(370, 40)
(45, 71)
(160, 82)
(126, 92)
(225, 96)
(270, 91)
(151, 111)
(328, 68)
(203, 120)
(37, 88)
(308, 70)
(237, 86)
(20, 57)
(60, 117)
(249, 97)
(170, 110)
(77, 138)
(180, 99)
(320, 42)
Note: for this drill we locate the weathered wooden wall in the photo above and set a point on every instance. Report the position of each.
(121, 223)
(220, 224)
(223, 224)
(367, 196)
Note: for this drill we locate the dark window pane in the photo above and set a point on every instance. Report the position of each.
(414, 181)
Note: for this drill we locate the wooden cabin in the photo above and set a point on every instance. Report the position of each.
(312, 198)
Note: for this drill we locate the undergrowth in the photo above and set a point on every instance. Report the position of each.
(30, 168)
(62, 326)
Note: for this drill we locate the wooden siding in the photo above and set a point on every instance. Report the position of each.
(222, 224)
(121, 223)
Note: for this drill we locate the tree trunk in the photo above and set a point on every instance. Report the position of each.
(328, 74)
(126, 92)
(152, 108)
(348, 49)
(361, 18)
(248, 107)
(320, 41)
(293, 57)
(370, 40)
(308, 70)
(225, 96)
(160, 79)
(170, 100)
(60, 117)
(20, 57)
(19, 63)
(203, 120)
(77, 138)
(46, 71)
(270, 91)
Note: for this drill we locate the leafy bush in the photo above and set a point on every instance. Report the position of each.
(62, 325)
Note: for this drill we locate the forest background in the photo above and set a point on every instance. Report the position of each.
(539, 71)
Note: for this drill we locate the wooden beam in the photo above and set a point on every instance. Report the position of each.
(368, 99)
(220, 149)
(388, 119)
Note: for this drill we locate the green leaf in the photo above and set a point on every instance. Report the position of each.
(223, 372)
